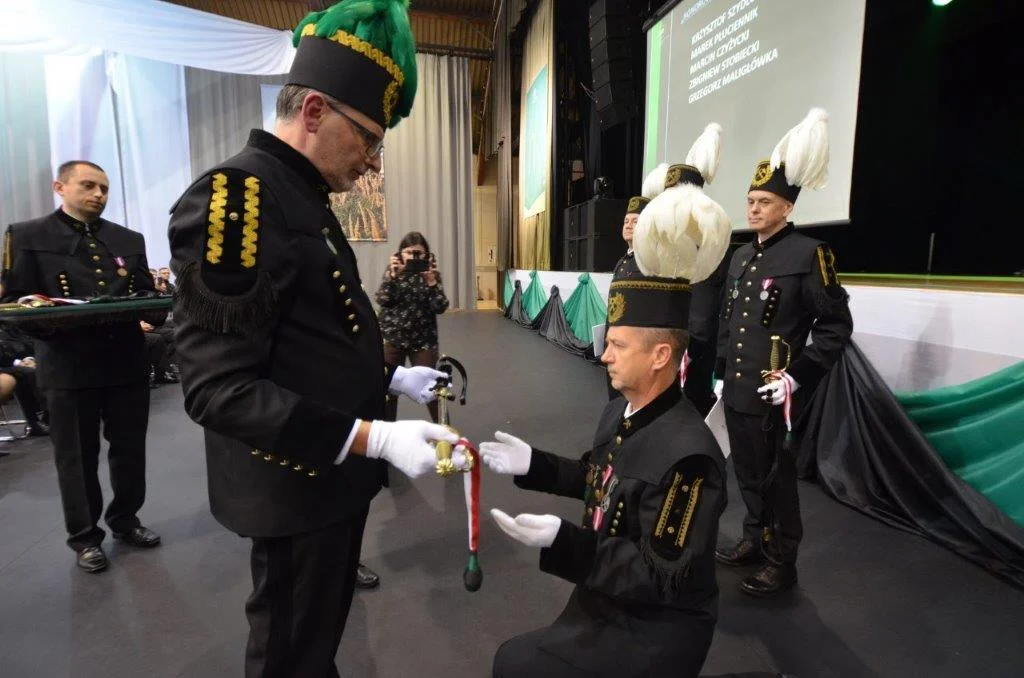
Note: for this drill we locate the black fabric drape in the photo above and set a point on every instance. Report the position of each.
(552, 324)
(869, 455)
(515, 307)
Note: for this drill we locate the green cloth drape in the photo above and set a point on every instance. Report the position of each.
(978, 429)
(534, 297)
(584, 308)
(510, 288)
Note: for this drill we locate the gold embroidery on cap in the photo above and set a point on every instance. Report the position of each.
(762, 174)
(616, 307)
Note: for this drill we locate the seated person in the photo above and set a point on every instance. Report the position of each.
(160, 350)
(16, 362)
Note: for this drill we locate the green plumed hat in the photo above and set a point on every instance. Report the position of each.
(360, 52)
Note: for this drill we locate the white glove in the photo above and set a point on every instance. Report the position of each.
(774, 392)
(407, 445)
(416, 382)
(508, 455)
(529, 528)
(719, 385)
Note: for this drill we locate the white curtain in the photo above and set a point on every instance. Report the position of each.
(428, 181)
(143, 28)
(24, 140)
(153, 132)
(80, 110)
(127, 115)
(222, 108)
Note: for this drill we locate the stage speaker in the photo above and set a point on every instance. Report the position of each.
(593, 235)
(614, 32)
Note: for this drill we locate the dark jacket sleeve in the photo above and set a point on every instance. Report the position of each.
(722, 346)
(653, 569)
(555, 475)
(833, 324)
(225, 318)
(20, 275)
(438, 299)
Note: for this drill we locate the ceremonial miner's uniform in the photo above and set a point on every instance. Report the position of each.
(625, 267)
(652, 486)
(642, 558)
(280, 351)
(90, 374)
(784, 286)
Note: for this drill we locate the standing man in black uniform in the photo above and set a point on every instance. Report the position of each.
(705, 299)
(652, 486)
(91, 374)
(279, 350)
(785, 284)
(626, 265)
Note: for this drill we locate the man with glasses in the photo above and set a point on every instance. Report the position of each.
(278, 346)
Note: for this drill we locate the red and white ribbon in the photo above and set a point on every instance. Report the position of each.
(473, 576)
(682, 368)
(787, 402)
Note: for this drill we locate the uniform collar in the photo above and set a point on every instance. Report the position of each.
(668, 399)
(786, 230)
(78, 226)
(298, 163)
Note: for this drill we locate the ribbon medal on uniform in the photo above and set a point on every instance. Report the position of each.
(602, 496)
(765, 284)
(121, 270)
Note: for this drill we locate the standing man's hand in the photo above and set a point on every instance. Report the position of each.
(407, 445)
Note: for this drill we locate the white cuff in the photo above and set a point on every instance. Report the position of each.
(348, 443)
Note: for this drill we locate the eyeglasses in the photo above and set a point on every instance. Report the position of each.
(374, 143)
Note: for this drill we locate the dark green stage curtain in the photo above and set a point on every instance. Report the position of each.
(534, 297)
(978, 430)
(870, 455)
(584, 309)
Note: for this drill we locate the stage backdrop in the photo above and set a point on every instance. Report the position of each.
(534, 240)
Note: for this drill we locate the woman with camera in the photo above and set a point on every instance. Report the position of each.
(411, 297)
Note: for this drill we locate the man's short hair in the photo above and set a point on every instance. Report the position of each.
(65, 170)
(676, 338)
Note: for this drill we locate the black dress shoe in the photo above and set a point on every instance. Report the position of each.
(140, 536)
(770, 580)
(92, 559)
(743, 552)
(36, 429)
(167, 378)
(366, 578)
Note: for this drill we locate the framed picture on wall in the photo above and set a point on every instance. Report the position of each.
(361, 211)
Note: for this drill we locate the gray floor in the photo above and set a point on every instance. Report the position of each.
(872, 601)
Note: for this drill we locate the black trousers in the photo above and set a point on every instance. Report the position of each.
(302, 591)
(752, 451)
(26, 391)
(393, 355)
(75, 418)
(521, 657)
(169, 357)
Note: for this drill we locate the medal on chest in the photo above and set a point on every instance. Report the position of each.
(607, 482)
(765, 284)
(121, 267)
